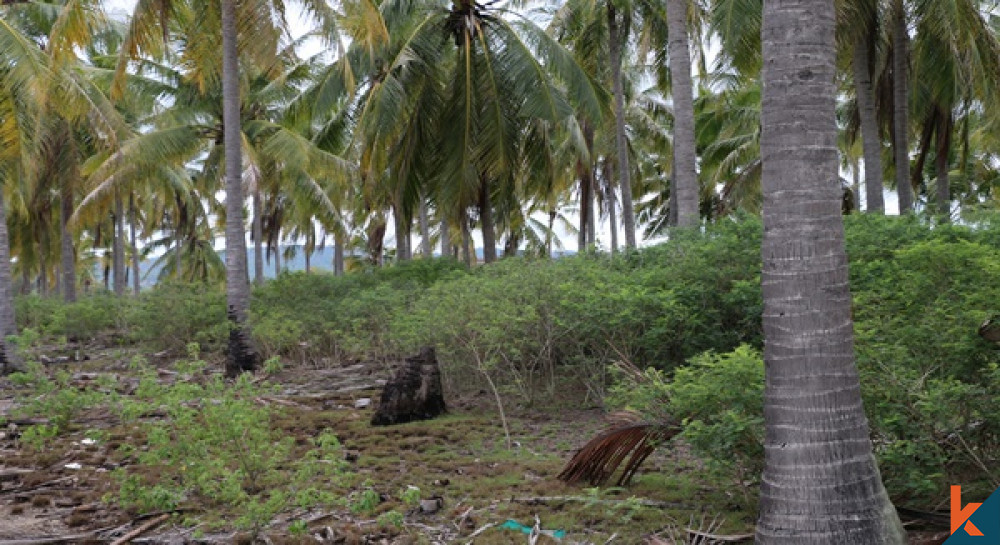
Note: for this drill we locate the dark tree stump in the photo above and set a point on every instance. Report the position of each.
(413, 393)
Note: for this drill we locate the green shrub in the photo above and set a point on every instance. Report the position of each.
(173, 314)
(718, 401)
(89, 316)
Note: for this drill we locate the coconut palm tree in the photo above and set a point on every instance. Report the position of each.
(443, 117)
(820, 483)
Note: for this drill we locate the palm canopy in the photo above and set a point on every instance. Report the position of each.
(439, 103)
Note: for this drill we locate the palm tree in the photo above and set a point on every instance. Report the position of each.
(443, 118)
(901, 105)
(685, 179)
(820, 483)
(859, 22)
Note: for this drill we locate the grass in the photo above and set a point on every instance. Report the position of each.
(460, 458)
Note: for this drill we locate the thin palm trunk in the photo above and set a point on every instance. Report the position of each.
(901, 101)
(683, 98)
(486, 217)
(871, 141)
(467, 255)
(821, 484)
(241, 356)
(133, 246)
(338, 253)
(67, 253)
(118, 249)
(9, 362)
(258, 236)
(399, 224)
(621, 145)
(943, 183)
(611, 204)
(592, 216)
(445, 239)
(276, 249)
(425, 230)
(585, 205)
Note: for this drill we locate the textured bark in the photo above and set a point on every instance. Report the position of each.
(610, 202)
(9, 361)
(308, 255)
(585, 205)
(870, 139)
(592, 217)
(133, 245)
(118, 248)
(402, 238)
(258, 239)
(821, 484)
(486, 217)
(901, 101)
(413, 393)
(445, 239)
(621, 145)
(67, 252)
(376, 240)
(467, 254)
(338, 253)
(943, 183)
(425, 230)
(241, 355)
(683, 98)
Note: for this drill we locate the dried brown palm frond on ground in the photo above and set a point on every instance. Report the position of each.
(628, 439)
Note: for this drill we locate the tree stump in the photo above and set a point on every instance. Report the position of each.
(413, 393)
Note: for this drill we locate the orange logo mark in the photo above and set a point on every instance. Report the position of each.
(960, 515)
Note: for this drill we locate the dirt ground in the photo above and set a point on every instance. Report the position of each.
(470, 483)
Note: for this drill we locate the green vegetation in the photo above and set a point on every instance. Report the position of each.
(546, 333)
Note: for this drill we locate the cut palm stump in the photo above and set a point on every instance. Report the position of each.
(413, 393)
(598, 460)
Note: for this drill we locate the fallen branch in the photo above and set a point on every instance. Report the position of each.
(595, 501)
(481, 529)
(147, 526)
(51, 540)
(736, 538)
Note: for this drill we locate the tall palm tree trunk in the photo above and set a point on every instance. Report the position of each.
(425, 229)
(820, 483)
(683, 98)
(943, 183)
(445, 238)
(486, 217)
(621, 144)
(402, 237)
(610, 202)
(467, 254)
(118, 249)
(241, 355)
(586, 208)
(338, 252)
(258, 239)
(871, 140)
(133, 246)
(901, 107)
(9, 362)
(67, 253)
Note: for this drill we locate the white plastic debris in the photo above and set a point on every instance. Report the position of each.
(73, 466)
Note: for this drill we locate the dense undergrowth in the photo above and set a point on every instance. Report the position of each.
(546, 333)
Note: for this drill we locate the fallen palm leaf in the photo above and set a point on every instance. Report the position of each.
(629, 440)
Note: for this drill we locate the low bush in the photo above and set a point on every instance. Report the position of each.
(172, 314)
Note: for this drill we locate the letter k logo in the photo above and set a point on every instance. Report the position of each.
(960, 515)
